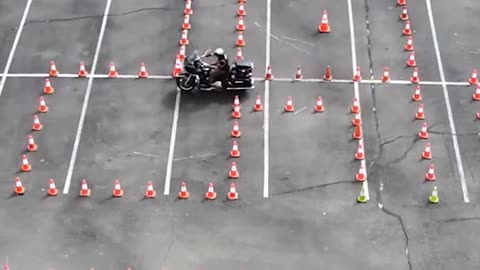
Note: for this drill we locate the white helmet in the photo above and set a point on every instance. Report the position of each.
(219, 51)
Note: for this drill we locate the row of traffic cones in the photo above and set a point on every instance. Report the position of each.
(240, 28)
(112, 71)
(361, 175)
(184, 41)
(20, 188)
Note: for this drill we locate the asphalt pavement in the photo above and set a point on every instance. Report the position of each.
(311, 216)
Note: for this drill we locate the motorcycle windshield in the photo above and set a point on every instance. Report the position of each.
(192, 57)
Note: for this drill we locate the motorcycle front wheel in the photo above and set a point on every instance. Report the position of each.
(186, 83)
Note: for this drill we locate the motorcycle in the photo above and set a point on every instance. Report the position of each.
(196, 73)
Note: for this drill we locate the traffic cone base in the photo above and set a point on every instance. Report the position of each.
(401, 2)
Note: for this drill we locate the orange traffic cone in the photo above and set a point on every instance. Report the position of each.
(409, 46)
(268, 75)
(188, 8)
(236, 114)
(19, 188)
(52, 190)
(186, 22)
(324, 26)
(177, 69)
(430, 175)
(232, 194)
(386, 75)
(355, 107)
(357, 120)
(48, 88)
(357, 76)
(427, 153)
(26, 167)
(417, 95)
(239, 55)
(53, 70)
(236, 102)
(112, 73)
(476, 95)
(258, 107)
(401, 2)
(406, 30)
(423, 134)
(84, 190)
(241, 12)
(150, 192)
(6, 267)
(184, 39)
(361, 175)
(42, 106)
(182, 51)
(411, 60)
(37, 126)
(473, 80)
(183, 193)
(82, 72)
(404, 14)
(31, 145)
(235, 152)
(117, 189)
(298, 74)
(420, 115)
(236, 133)
(211, 194)
(241, 24)
(240, 41)
(415, 77)
(327, 76)
(357, 133)
(360, 154)
(289, 105)
(143, 73)
(319, 107)
(233, 173)
(478, 115)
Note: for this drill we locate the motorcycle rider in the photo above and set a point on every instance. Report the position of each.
(220, 69)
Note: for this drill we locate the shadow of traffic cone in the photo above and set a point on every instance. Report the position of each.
(404, 14)
(434, 197)
(183, 193)
(150, 192)
(415, 77)
(357, 76)
(268, 74)
(357, 120)
(236, 114)
(241, 24)
(211, 194)
(241, 12)
(82, 72)
(184, 38)
(117, 189)
(417, 94)
(386, 75)
(407, 31)
(25, 167)
(19, 188)
(473, 80)
(361, 176)
(37, 126)
(31, 145)
(357, 133)
(411, 62)
(239, 55)
(52, 190)
(360, 154)
(48, 88)
(235, 152)
(298, 74)
(327, 76)
(53, 70)
(420, 115)
(84, 190)
(42, 106)
(289, 107)
(363, 197)
(188, 8)
(258, 107)
(409, 46)
(423, 134)
(401, 2)
(112, 73)
(427, 153)
(324, 26)
(430, 175)
(355, 107)
(319, 107)
(236, 133)
(232, 194)
(233, 173)
(186, 22)
(476, 95)
(143, 73)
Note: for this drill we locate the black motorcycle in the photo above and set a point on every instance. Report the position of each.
(196, 73)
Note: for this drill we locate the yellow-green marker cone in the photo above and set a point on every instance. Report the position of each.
(362, 198)
(434, 197)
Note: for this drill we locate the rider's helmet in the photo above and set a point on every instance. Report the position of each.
(220, 53)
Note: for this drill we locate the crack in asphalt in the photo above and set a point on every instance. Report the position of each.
(462, 219)
(382, 144)
(313, 187)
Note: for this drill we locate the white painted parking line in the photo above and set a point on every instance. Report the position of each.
(356, 84)
(83, 113)
(173, 139)
(266, 105)
(15, 45)
(447, 104)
